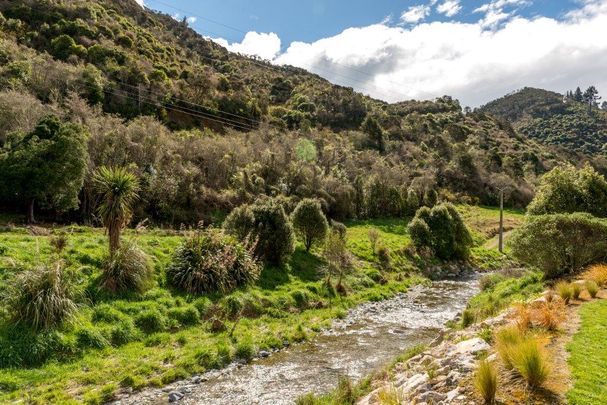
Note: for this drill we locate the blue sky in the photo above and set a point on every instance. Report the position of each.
(310, 20)
(474, 50)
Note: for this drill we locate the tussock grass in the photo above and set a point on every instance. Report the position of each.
(550, 314)
(506, 338)
(564, 290)
(598, 274)
(592, 287)
(576, 290)
(485, 381)
(530, 361)
(127, 269)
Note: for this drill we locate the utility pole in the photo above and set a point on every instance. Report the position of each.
(501, 230)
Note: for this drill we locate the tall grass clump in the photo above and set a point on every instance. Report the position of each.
(209, 262)
(576, 290)
(592, 287)
(598, 274)
(565, 291)
(549, 314)
(43, 297)
(530, 362)
(127, 269)
(485, 381)
(506, 338)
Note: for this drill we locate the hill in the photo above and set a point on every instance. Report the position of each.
(208, 130)
(553, 119)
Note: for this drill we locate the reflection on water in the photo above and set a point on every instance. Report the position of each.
(369, 337)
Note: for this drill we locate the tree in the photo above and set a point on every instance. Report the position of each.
(566, 189)
(578, 95)
(338, 258)
(442, 230)
(604, 106)
(267, 225)
(560, 243)
(117, 189)
(309, 222)
(591, 96)
(47, 166)
(371, 127)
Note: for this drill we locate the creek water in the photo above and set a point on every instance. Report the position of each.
(370, 336)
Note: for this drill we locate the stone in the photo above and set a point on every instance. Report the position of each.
(197, 379)
(414, 382)
(264, 353)
(432, 397)
(471, 346)
(175, 396)
(451, 395)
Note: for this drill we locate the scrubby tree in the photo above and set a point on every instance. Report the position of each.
(430, 198)
(46, 166)
(371, 127)
(566, 189)
(560, 243)
(266, 224)
(412, 201)
(442, 230)
(310, 222)
(118, 191)
(338, 259)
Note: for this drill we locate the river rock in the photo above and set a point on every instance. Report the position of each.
(471, 346)
(263, 354)
(432, 397)
(175, 396)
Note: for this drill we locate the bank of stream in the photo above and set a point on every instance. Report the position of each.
(370, 336)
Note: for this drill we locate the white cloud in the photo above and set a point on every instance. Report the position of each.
(464, 59)
(495, 12)
(449, 8)
(415, 14)
(140, 2)
(191, 20)
(264, 45)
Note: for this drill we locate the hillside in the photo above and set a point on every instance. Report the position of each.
(552, 119)
(153, 95)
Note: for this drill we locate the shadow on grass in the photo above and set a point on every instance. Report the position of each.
(303, 266)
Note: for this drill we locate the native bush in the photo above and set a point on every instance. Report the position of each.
(210, 261)
(43, 297)
(266, 223)
(310, 222)
(568, 242)
(127, 269)
(442, 230)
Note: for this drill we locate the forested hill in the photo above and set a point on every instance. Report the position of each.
(206, 130)
(573, 122)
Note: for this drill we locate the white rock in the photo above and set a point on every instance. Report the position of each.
(471, 346)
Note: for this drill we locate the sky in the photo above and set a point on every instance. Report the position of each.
(473, 50)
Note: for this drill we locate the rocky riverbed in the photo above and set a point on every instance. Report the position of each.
(370, 336)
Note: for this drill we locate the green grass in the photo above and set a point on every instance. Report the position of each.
(588, 359)
(112, 346)
(287, 305)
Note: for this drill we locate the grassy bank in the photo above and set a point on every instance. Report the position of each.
(588, 360)
(164, 335)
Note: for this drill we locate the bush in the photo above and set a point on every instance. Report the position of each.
(128, 269)
(592, 288)
(309, 222)
(485, 381)
(442, 230)
(339, 228)
(565, 291)
(530, 362)
(566, 189)
(186, 315)
(43, 297)
(211, 262)
(266, 223)
(569, 242)
(150, 321)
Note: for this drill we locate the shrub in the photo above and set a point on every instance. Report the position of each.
(59, 242)
(597, 273)
(467, 318)
(566, 189)
(568, 242)
(373, 236)
(592, 288)
(530, 362)
(245, 349)
(309, 222)
(43, 297)
(266, 223)
(576, 290)
(150, 321)
(186, 315)
(444, 233)
(565, 291)
(485, 381)
(209, 262)
(339, 228)
(128, 269)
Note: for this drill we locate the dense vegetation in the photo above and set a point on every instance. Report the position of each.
(573, 122)
(206, 131)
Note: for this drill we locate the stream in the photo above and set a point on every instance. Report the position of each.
(370, 336)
